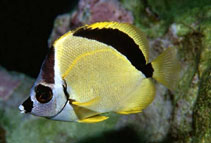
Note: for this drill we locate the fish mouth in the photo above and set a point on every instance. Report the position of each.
(27, 106)
(21, 108)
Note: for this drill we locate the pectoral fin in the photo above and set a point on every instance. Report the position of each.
(87, 104)
(93, 119)
(86, 115)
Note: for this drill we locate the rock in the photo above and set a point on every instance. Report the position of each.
(202, 109)
(61, 26)
(2, 135)
(7, 84)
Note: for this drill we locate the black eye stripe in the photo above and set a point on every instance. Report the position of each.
(43, 93)
(28, 105)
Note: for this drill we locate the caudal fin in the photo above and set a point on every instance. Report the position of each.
(167, 68)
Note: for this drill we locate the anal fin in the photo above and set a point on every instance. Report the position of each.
(93, 119)
(133, 111)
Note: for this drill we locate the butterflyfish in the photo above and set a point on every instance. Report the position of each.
(99, 68)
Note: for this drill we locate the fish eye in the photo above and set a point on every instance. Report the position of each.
(43, 93)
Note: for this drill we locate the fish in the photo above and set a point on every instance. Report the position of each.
(96, 69)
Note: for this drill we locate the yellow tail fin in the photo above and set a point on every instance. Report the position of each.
(167, 68)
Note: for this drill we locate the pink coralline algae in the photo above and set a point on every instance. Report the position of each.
(90, 11)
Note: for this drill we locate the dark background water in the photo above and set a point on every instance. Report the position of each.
(25, 27)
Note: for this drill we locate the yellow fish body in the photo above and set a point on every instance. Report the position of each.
(99, 68)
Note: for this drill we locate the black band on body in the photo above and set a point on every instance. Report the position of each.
(121, 42)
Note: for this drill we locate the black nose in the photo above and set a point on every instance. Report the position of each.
(28, 105)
